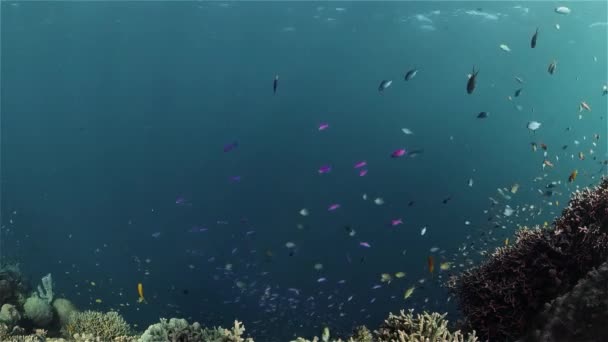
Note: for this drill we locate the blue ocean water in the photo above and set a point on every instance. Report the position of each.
(115, 117)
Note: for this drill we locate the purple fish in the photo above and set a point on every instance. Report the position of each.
(333, 207)
(325, 169)
(360, 164)
(398, 153)
(364, 244)
(323, 126)
(235, 179)
(362, 172)
(231, 146)
(396, 222)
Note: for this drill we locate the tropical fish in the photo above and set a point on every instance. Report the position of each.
(534, 38)
(514, 188)
(505, 48)
(396, 222)
(384, 84)
(572, 176)
(583, 106)
(506, 241)
(581, 156)
(231, 146)
(563, 10)
(482, 115)
(140, 292)
(519, 80)
(323, 126)
(364, 244)
(548, 163)
(407, 131)
(518, 92)
(552, 67)
(398, 153)
(533, 125)
(408, 293)
(431, 264)
(410, 74)
(604, 90)
(444, 266)
(399, 275)
(275, 84)
(325, 169)
(386, 278)
(333, 207)
(534, 146)
(362, 172)
(360, 164)
(472, 81)
(304, 212)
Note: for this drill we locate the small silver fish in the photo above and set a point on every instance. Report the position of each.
(411, 74)
(384, 84)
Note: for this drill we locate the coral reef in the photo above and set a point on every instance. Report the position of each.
(178, 330)
(9, 315)
(12, 286)
(501, 297)
(106, 326)
(580, 315)
(39, 311)
(64, 309)
(425, 327)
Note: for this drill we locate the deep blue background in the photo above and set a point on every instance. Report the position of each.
(112, 110)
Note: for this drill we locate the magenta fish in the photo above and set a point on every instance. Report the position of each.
(364, 244)
(360, 164)
(325, 169)
(333, 207)
(396, 222)
(323, 126)
(362, 172)
(398, 153)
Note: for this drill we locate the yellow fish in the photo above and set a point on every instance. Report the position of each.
(514, 188)
(140, 291)
(399, 274)
(506, 241)
(386, 278)
(444, 266)
(98, 301)
(409, 292)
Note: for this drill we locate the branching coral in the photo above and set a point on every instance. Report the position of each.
(500, 297)
(424, 327)
(178, 330)
(106, 326)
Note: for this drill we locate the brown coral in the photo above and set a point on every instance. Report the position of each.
(425, 327)
(500, 297)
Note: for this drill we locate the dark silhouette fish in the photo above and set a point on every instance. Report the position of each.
(482, 115)
(534, 37)
(518, 92)
(471, 81)
(275, 84)
(411, 74)
(552, 67)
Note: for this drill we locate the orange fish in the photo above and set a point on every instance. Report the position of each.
(584, 106)
(140, 291)
(548, 163)
(572, 176)
(431, 263)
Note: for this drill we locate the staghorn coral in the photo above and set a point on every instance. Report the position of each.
(424, 327)
(105, 326)
(362, 334)
(580, 315)
(501, 297)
